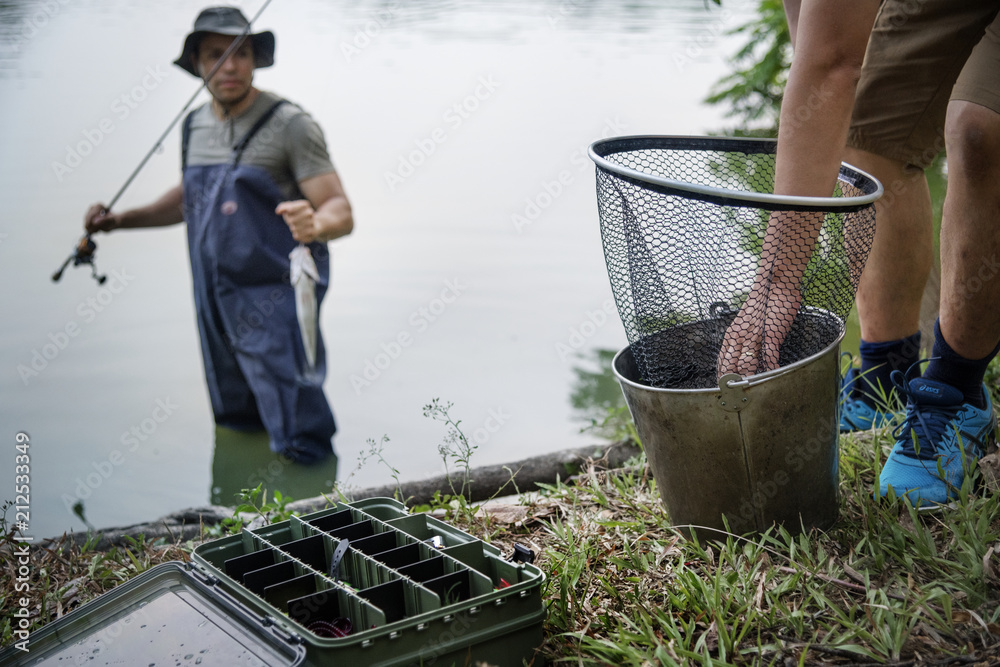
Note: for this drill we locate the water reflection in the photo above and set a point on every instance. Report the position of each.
(596, 397)
(605, 21)
(501, 18)
(16, 27)
(562, 87)
(244, 460)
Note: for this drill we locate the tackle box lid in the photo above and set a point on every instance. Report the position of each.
(171, 615)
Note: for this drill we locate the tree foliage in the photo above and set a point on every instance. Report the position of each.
(753, 92)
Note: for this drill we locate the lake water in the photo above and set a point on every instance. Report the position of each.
(460, 132)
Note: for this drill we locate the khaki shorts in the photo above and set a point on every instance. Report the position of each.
(921, 55)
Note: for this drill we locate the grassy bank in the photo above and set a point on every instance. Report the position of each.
(885, 586)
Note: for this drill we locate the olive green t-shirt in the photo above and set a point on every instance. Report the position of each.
(290, 146)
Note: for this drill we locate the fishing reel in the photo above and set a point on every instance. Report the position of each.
(82, 254)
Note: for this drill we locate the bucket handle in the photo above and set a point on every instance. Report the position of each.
(733, 388)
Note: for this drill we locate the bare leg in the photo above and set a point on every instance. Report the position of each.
(815, 116)
(930, 459)
(970, 234)
(893, 281)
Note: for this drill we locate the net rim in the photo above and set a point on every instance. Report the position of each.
(603, 147)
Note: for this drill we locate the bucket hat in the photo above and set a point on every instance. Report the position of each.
(225, 21)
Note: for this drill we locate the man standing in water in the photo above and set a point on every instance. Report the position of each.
(257, 181)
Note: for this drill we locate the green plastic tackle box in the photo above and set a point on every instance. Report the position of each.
(361, 583)
(172, 614)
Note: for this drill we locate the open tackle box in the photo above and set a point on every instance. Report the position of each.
(362, 583)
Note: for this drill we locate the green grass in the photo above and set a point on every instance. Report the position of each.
(65, 575)
(886, 585)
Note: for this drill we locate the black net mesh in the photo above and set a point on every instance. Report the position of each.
(701, 270)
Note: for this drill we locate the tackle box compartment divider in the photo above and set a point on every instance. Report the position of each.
(414, 591)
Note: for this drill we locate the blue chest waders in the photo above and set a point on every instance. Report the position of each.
(255, 365)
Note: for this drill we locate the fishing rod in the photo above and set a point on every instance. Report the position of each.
(85, 248)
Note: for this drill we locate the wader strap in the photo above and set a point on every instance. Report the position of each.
(241, 146)
(185, 140)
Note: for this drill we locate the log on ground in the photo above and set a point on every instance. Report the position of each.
(486, 482)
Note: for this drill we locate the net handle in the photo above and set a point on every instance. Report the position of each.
(599, 150)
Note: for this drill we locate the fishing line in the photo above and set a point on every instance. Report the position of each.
(84, 251)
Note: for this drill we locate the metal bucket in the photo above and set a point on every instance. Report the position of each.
(754, 452)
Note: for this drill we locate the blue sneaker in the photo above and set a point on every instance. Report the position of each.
(938, 443)
(856, 414)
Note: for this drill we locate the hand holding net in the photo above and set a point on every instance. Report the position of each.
(713, 273)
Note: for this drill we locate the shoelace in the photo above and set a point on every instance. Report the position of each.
(926, 422)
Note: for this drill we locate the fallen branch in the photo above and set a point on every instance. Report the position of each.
(487, 482)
